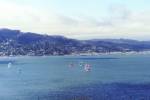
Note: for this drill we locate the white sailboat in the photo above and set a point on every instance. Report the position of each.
(9, 65)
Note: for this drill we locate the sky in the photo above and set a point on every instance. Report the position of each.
(79, 19)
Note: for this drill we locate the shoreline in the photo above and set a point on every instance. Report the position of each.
(85, 54)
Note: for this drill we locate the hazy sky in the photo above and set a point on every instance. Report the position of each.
(81, 19)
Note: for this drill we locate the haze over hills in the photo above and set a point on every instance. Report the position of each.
(15, 42)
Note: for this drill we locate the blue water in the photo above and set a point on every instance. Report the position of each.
(113, 77)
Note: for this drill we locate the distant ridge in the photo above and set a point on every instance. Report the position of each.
(15, 42)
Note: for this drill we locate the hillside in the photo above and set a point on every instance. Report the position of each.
(15, 42)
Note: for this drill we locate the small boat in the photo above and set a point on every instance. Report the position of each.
(87, 67)
(9, 65)
(81, 64)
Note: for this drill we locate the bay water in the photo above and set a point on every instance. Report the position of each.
(112, 77)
